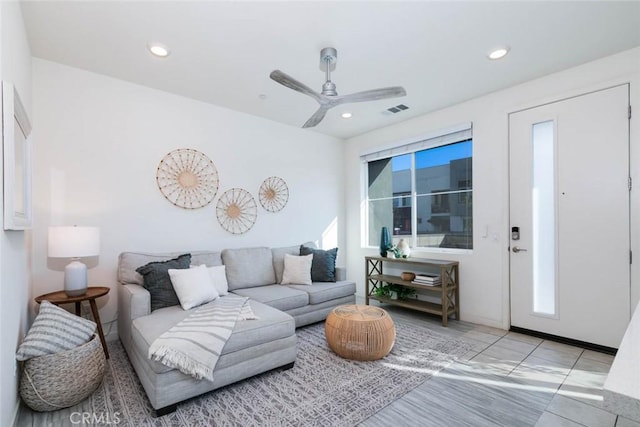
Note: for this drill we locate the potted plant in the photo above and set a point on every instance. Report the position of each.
(393, 292)
(403, 292)
(383, 291)
(394, 252)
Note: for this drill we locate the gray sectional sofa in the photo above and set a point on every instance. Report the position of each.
(255, 346)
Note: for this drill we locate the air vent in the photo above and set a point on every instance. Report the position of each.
(398, 108)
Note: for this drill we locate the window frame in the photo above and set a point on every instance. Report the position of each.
(396, 150)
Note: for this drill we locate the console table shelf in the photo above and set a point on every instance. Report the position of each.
(447, 291)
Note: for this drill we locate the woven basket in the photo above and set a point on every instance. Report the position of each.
(62, 379)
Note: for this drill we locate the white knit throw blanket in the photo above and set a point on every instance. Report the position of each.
(194, 345)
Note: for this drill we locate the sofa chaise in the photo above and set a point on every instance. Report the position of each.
(254, 347)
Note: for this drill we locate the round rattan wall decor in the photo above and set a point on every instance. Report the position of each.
(236, 211)
(187, 178)
(273, 194)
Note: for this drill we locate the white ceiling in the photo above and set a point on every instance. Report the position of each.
(223, 52)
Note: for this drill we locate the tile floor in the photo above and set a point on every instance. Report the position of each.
(508, 379)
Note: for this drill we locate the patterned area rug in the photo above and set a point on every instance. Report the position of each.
(321, 390)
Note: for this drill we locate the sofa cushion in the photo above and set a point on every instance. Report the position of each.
(320, 292)
(323, 268)
(277, 296)
(158, 282)
(248, 267)
(271, 325)
(278, 257)
(129, 261)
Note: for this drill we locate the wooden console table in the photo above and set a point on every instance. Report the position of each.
(447, 291)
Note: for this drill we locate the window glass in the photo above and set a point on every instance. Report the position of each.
(389, 177)
(438, 181)
(390, 196)
(543, 220)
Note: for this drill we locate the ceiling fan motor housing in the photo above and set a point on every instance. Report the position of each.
(329, 89)
(329, 56)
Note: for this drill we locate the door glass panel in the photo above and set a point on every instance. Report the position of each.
(543, 219)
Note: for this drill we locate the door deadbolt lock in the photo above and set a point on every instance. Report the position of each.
(515, 233)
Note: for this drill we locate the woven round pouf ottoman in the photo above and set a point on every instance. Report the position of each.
(360, 332)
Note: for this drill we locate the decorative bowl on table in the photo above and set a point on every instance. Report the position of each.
(408, 276)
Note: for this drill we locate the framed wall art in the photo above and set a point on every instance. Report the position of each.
(16, 147)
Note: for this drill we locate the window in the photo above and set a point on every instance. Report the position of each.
(424, 196)
(543, 219)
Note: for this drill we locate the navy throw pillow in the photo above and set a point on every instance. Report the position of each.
(158, 283)
(323, 266)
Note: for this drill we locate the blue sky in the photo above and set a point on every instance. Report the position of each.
(434, 156)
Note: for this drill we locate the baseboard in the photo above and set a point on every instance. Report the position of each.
(16, 410)
(576, 343)
(483, 321)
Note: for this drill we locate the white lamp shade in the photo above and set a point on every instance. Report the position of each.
(73, 242)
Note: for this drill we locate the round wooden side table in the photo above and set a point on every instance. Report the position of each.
(93, 292)
(360, 332)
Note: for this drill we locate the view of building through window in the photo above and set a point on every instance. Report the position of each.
(429, 191)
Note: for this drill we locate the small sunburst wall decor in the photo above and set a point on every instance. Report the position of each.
(273, 194)
(236, 210)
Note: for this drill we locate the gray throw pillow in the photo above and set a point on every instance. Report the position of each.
(54, 330)
(158, 282)
(323, 266)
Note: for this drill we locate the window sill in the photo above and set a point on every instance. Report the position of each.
(426, 251)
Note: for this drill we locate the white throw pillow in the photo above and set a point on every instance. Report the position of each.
(297, 269)
(218, 275)
(193, 286)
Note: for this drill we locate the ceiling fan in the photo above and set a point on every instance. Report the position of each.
(329, 98)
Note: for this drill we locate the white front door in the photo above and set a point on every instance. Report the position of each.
(569, 217)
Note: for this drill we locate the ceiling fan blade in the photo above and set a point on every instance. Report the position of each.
(372, 95)
(288, 81)
(317, 117)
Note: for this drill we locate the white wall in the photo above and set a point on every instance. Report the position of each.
(14, 245)
(484, 273)
(99, 142)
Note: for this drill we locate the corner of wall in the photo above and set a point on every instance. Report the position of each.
(15, 66)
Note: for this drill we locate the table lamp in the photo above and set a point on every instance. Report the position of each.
(74, 242)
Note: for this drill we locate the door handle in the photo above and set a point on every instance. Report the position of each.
(516, 249)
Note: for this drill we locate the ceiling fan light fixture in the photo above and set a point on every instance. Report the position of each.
(329, 97)
(159, 50)
(498, 53)
(346, 115)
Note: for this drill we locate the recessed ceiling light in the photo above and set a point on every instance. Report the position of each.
(498, 53)
(346, 115)
(159, 50)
